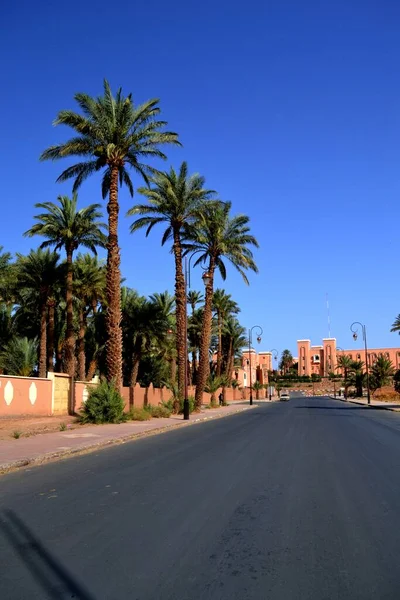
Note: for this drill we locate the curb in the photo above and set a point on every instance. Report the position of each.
(130, 437)
(367, 405)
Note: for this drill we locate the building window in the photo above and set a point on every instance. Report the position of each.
(358, 356)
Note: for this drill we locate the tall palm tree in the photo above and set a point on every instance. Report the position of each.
(65, 227)
(89, 287)
(38, 273)
(217, 236)
(112, 134)
(174, 199)
(195, 321)
(223, 306)
(356, 376)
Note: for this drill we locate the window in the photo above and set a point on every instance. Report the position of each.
(358, 356)
(316, 358)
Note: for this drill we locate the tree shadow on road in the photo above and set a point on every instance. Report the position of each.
(54, 579)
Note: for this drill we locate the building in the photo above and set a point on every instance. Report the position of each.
(261, 363)
(322, 359)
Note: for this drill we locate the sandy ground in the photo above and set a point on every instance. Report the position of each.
(28, 425)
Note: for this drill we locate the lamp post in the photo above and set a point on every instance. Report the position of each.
(275, 358)
(206, 278)
(364, 335)
(258, 340)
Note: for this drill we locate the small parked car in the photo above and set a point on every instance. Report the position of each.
(284, 397)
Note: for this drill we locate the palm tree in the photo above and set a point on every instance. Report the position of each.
(212, 386)
(382, 372)
(194, 298)
(286, 361)
(19, 357)
(112, 134)
(356, 376)
(144, 326)
(64, 226)
(234, 338)
(215, 235)
(223, 306)
(396, 324)
(90, 287)
(195, 321)
(345, 363)
(38, 274)
(174, 199)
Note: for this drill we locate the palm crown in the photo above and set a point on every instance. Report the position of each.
(111, 132)
(216, 235)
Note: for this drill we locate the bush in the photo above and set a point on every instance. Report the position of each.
(104, 405)
(158, 412)
(139, 414)
(387, 394)
(170, 405)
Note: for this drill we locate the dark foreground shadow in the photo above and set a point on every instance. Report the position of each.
(55, 580)
(353, 407)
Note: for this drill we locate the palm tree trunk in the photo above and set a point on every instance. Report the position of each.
(204, 363)
(113, 288)
(50, 336)
(69, 347)
(43, 339)
(92, 369)
(133, 379)
(194, 367)
(229, 363)
(219, 352)
(81, 347)
(180, 311)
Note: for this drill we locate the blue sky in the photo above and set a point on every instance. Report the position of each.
(290, 110)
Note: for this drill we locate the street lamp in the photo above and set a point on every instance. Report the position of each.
(272, 365)
(364, 335)
(258, 340)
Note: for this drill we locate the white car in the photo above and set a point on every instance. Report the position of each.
(284, 397)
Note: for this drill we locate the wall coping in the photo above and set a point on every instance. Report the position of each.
(23, 377)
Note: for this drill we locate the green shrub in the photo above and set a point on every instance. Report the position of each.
(16, 434)
(104, 405)
(169, 404)
(63, 426)
(158, 412)
(139, 414)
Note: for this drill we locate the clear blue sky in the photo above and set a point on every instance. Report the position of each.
(290, 109)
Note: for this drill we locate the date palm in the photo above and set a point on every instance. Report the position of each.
(38, 274)
(396, 325)
(194, 298)
(64, 226)
(19, 357)
(218, 237)
(174, 200)
(234, 338)
(112, 134)
(89, 290)
(345, 364)
(382, 372)
(223, 306)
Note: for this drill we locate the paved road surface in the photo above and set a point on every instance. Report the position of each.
(297, 500)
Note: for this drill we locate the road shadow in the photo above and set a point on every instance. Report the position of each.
(354, 407)
(54, 579)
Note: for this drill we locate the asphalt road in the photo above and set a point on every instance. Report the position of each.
(297, 500)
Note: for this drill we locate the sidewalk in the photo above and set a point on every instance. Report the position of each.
(40, 448)
(395, 407)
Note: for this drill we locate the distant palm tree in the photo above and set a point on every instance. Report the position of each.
(217, 236)
(194, 298)
(286, 361)
(65, 227)
(345, 364)
(112, 134)
(396, 324)
(224, 306)
(212, 386)
(174, 200)
(19, 357)
(234, 339)
(38, 274)
(144, 326)
(89, 290)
